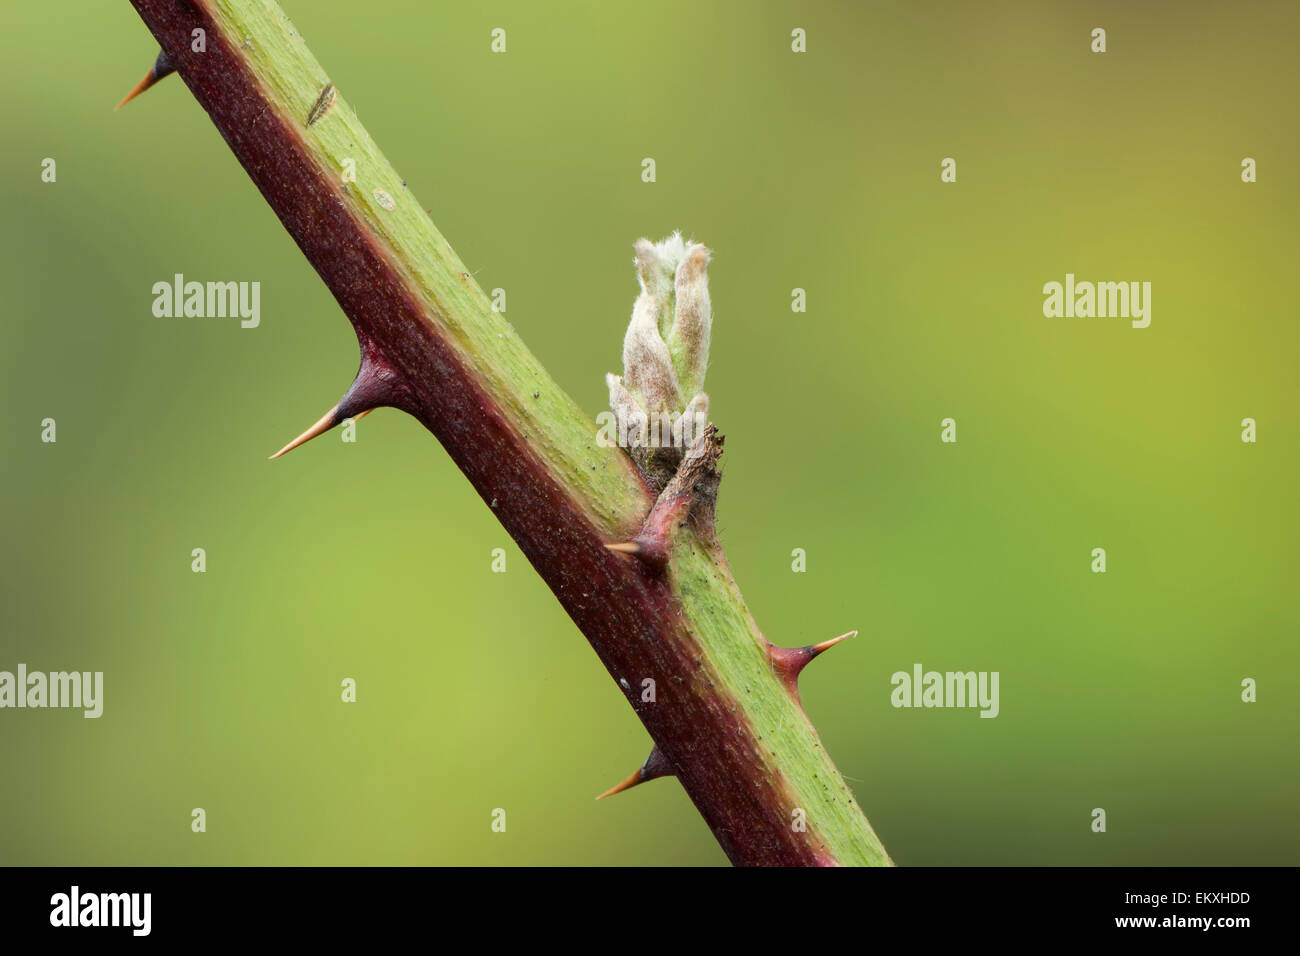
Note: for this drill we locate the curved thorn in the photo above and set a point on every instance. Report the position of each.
(375, 386)
(625, 547)
(326, 422)
(162, 67)
(655, 766)
(789, 662)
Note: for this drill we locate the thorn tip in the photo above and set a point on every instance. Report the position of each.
(826, 645)
(625, 547)
(789, 662)
(627, 784)
(162, 67)
(655, 766)
(324, 424)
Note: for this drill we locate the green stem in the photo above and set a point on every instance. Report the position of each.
(726, 717)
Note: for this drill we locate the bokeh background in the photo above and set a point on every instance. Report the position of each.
(818, 171)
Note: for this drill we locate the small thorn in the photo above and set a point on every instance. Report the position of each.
(162, 67)
(374, 387)
(650, 551)
(326, 422)
(788, 662)
(655, 766)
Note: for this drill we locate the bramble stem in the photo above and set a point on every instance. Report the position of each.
(725, 715)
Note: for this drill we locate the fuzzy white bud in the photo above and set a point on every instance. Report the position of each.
(688, 342)
(659, 401)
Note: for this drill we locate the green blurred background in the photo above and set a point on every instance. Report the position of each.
(818, 171)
